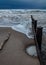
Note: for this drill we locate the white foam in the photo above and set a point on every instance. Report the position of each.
(22, 29)
(20, 20)
(31, 50)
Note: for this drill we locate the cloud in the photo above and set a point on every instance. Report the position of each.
(31, 1)
(23, 3)
(41, 1)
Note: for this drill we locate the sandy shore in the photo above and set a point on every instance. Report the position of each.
(13, 52)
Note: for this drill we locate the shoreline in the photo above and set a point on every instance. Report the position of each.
(13, 51)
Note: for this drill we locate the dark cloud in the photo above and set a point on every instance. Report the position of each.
(32, 4)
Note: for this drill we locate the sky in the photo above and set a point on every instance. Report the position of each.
(22, 4)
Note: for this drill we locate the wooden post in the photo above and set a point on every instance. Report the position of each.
(39, 36)
(32, 18)
(34, 24)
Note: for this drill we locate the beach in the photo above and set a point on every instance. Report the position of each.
(13, 52)
(18, 23)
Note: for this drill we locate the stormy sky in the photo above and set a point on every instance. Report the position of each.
(23, 4)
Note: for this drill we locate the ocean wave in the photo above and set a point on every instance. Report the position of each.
(20, 20)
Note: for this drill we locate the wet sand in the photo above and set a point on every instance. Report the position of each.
(13, 52)
(4, 37)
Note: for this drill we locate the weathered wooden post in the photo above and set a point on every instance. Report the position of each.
(39, 36)
(34, 24)
(32, 18)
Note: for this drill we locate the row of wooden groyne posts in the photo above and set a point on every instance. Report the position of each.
(37, 31)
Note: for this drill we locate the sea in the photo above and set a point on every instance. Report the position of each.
(20, 19)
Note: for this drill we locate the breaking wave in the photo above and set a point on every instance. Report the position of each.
(20, 20)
